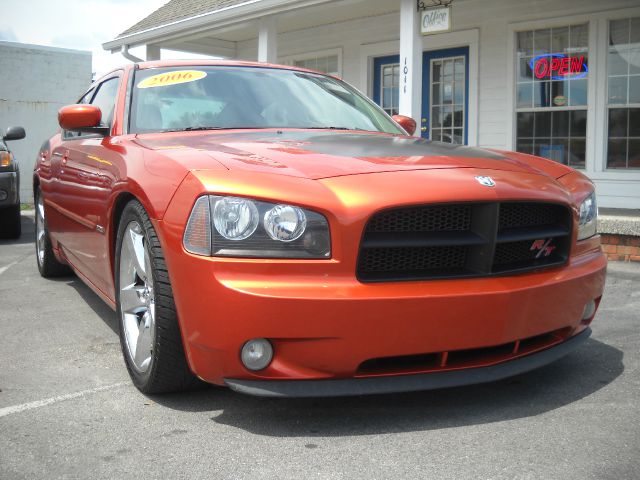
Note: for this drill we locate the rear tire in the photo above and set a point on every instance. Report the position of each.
(10, 226)
(48, 264)
(149, 332)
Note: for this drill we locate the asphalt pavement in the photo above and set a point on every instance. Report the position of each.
(68, 409)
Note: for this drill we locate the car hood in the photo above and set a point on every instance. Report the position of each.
(321, 154)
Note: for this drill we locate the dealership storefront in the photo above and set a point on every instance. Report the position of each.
(559, 79)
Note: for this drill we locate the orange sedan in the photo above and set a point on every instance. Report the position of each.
(271, 229)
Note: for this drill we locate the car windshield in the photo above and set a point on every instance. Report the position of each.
(225, 97)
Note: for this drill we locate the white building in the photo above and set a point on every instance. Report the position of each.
(35, 81)
(557, 78)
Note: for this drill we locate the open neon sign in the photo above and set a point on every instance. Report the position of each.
(558, 66)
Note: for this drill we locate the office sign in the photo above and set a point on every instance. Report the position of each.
(435, 20)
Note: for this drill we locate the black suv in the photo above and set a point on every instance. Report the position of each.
(9, 186)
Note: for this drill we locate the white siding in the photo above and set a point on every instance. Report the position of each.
(34, 83)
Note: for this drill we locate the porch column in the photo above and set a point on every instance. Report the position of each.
(153, 52)
(410, 62)
(268, 40)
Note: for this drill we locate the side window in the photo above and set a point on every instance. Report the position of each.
(105, 99)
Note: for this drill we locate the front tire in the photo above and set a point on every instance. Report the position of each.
(149, 332)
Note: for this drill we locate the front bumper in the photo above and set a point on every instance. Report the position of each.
(326, 328)
(406, 383)
(9, 183)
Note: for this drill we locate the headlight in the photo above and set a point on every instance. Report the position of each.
(588, 217)
(242, 227)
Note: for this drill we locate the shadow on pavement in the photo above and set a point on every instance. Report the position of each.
(570, 379)
(28, 232)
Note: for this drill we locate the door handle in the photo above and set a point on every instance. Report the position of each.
(65, 157)
(423, 129)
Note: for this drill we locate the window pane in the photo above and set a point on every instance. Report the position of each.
(634, 122)
(541, 93)
(525, 43)
(617, 154)
(618, 90)
(447, 93)
(525, 95)
(525, 146)
(579, 123)
(437, 71)
(542, 125)
(617, 122)
(560, 124)
(577, 151)
(448, 70)
(525, 124)
(458, 94)
(446, 116)
(559, 39)
(458, 117)
(542, 41)
(579, 37)
(617, 64)
(633, 153)
(578, 92)
(618, 32)
(634, 89)
(436, 120)
(436, 92)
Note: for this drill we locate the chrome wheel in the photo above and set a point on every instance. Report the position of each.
(137, 299)
(40, 232)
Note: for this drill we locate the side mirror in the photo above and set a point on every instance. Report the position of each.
(14, 133)
(407, 123)
(82, 118)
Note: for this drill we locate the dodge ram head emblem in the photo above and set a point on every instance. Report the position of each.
(486, 181)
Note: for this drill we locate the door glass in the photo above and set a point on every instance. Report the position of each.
(447, 110)
(105, 99)
(390, 88)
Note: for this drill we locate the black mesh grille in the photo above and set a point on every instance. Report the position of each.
(422, 219)
(412, 259)
(521, 215)
(463, 240)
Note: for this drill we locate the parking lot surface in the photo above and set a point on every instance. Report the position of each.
(68, 410)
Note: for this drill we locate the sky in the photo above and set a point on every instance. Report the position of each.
(77, 24)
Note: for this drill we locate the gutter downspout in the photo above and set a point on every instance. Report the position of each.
(124, 50)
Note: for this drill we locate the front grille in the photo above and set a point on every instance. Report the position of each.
(463, 240)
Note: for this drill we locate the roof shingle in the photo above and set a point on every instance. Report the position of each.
(178, 10)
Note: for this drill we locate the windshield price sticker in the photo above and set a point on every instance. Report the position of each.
(171, 78)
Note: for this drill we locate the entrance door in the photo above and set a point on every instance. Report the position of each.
(445, 92)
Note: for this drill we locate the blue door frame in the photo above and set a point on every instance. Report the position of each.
(426, 82)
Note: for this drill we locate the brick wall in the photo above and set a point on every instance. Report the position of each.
(623, 248)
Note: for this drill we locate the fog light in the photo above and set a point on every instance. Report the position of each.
(589, 310)
(3, 195)
(257, 354)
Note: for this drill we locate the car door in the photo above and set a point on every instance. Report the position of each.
(82, 191)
